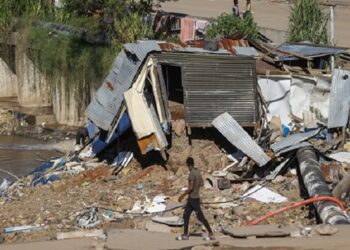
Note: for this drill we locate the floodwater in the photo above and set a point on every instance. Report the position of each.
(19, 155)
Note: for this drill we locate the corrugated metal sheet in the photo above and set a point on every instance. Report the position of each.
(310, 50)
(339, 99)
(294, 147)
(277, 170)
(109, 97)
(236, 135)
(292, 140)
(214, 84)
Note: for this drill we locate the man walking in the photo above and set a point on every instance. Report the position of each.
(195, 181)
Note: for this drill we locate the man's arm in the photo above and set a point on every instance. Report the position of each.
(188, 191)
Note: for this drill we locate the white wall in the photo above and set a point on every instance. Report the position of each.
(33, 88)
(8, 81)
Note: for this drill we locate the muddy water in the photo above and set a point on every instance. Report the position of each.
(19, 155)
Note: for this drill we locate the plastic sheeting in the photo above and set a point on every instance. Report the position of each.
(276, 92)
(310, 94)
(297, 95)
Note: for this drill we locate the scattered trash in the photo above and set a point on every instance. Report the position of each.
(89, 218)
(4, 185)
(224, 184)
(223, 173)
(157, 205)
(24, 229)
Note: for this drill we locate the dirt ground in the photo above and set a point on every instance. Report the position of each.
(57, 206)
(267, 13)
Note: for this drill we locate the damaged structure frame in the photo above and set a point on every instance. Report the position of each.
(207, 83)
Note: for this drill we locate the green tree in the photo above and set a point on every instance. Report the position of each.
(228, 24)
(307, 22)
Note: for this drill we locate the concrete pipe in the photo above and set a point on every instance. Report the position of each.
(316, 186)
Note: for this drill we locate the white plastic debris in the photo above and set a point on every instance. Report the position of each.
(157, 205)
(4, 185)
(86, 154)
(89, 218)
(224, 172)
(265, 195)
(25, 228)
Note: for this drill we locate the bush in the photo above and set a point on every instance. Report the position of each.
(307, 22)
(228, 24)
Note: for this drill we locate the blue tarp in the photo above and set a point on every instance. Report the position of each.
(39, 178)
(92, 129)
(39, 173)
(43, 167)
(99, 144)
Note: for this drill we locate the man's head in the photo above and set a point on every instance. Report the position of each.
(190, 162)
(235, 2)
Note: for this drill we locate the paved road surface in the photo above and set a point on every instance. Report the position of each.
(267, 14)
(135, 239)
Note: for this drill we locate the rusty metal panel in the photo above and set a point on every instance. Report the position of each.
(214, 84)
(238, 137)
(109, 97)
(339, 99)
(147, 143)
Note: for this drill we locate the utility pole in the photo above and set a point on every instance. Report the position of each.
(331, 30)
(331, 17)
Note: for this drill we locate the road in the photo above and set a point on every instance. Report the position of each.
(267, 14)
(135, 239)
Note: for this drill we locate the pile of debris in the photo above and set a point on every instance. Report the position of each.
(68, 195)
(164, 102)
(7, 122)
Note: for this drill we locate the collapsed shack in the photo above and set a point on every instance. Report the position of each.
(149, 77)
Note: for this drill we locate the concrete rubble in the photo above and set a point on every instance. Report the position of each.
(266, 162)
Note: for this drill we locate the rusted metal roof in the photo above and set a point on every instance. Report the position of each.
(224, 43)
